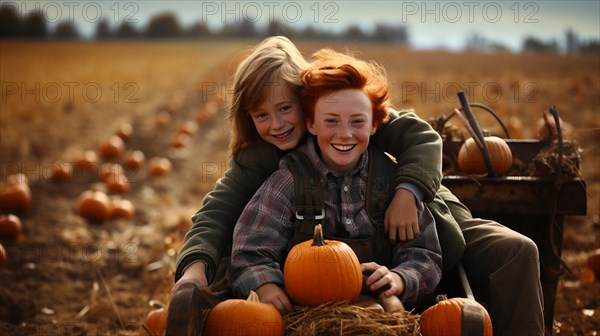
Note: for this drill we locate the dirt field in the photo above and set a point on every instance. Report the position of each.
(78, 277)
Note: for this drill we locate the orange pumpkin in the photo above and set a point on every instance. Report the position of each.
(124, 131)
(470, 159)
(122, 208)
(11, 227)
(3, 257)
(180, 140)
(159, 166)
(162, 119)
(15, 195)
(108, 168)
(187, 127)
(319, 271)
(116, 183)
(155, 323)
(593, 262)
(244, 317)
(112, 147)
(134, 159)
(86, 160)
(446, 318)
(94, 205)
(62, 171)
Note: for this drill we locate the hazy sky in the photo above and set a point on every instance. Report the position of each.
(430, 23)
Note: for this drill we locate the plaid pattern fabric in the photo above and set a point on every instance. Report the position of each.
(264, 231)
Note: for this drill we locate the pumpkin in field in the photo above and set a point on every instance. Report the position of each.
(86, 160)
(116, 182)
(318, 271)
(155, 323)
(124, 131)
(15, 193)
(159, 166)
(244, 317)
(470, 159)
(122, 208)
(134, 159)
(593, 262)
(62, 171)
(11, 227)
(94, 205)
(451, 316)
(112, 147)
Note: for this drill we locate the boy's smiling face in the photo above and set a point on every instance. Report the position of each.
(343, 123)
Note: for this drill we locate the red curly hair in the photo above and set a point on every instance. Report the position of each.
(333, 71)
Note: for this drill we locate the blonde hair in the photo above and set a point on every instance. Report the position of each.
(274, 56)
(333, 71)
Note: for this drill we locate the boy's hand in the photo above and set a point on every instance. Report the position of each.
(195, 273)
(271, 293)
(381, 277)
(401, 219)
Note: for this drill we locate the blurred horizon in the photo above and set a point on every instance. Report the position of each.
(483, 25)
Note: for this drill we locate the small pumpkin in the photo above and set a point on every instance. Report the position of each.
(587, 276)
(124, 131)
(62, 171)
(162, 119)
(244, 317)
(15, 195)
(94, 205)
(593, 262)
(3, 257)
(159, 166)
(207, 111)
(188, 127)
(112, 147)
(470, 159)
(108, 168)
(134, 159)
(86, 160)
(155, 323)
(180, 140)
(450, 316)
(318, 271)
(11, 227)
(122, 208)
(117, 183)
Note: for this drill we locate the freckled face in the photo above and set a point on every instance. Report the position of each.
(343, 124)
(279, 119)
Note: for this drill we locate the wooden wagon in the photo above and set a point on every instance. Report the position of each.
(535, 206)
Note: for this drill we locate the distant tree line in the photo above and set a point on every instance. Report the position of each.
(163, 26)
(167, 26)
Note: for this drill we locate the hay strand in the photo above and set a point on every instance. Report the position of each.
(342, 318)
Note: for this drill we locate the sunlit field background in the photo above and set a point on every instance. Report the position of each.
(70, 275)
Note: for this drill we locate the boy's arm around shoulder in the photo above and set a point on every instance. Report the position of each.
(417, 148)
(211, 233)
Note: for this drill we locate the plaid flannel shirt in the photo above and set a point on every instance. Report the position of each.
(264, 231)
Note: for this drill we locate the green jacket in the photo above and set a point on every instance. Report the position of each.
(411, 140)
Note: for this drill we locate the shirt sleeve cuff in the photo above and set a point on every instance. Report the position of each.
(413, 189)
(250, 280)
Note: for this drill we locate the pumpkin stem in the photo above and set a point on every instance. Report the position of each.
(318, 236)
(440, 298)
(253, 297)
